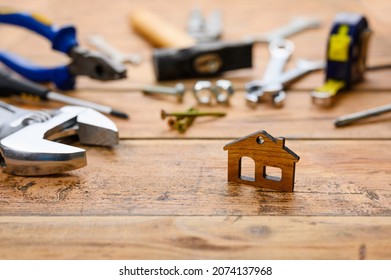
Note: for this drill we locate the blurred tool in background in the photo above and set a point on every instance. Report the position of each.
(158, 32)
(181, 121)
(27, 146)
(181, 57)
(208, 94)
(203, 60)
(83, 62)
(280, 52)
(99, 43)
(346, 56)
(352, 118)
(295, 26)
(205, 30)
(10, 85)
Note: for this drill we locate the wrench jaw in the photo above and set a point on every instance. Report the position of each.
(252, 99)
(31, 151)
(275, 94)
(96, 129)
(256, 92)
(30, 163)
(279, 98)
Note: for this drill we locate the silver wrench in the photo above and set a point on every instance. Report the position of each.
(280, 52)
(256, 89)
(296, 25)
(103, 46)
(27, 146)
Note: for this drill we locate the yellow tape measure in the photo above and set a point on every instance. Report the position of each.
(346, 56)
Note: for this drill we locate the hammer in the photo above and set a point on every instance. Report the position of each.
(180, 57)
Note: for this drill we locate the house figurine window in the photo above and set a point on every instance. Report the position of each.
(273, 163)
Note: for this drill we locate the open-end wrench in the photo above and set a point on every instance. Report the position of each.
(27, 146)
(296, 25)
(280, 52)
(303, 66)
(258, 88)
(105, 48)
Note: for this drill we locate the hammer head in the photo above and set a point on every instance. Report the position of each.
(31, 150)
(202, 60)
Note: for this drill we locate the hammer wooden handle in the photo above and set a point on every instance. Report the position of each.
(158, 32)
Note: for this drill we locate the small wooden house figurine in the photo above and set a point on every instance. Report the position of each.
(268, 153)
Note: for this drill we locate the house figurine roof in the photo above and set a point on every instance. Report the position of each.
(262, 137)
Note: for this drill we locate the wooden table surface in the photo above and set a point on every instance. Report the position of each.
(164, 195)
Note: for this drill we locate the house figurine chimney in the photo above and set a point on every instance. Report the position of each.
(281, 141)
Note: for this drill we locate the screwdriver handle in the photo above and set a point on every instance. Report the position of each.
(62, 38)
(10, 85)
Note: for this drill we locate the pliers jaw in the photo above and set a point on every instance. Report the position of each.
(94, 65)
(63, 39)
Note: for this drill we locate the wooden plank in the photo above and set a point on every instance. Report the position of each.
(299, 118)
(195, 238)
(176, 177)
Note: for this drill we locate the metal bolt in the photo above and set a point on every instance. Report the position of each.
(178, 90)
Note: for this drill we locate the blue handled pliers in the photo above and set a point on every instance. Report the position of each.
(83, 62)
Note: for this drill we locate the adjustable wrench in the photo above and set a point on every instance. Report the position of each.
(256, 89)
(280, 52)
(295, 26)
(27, 146)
